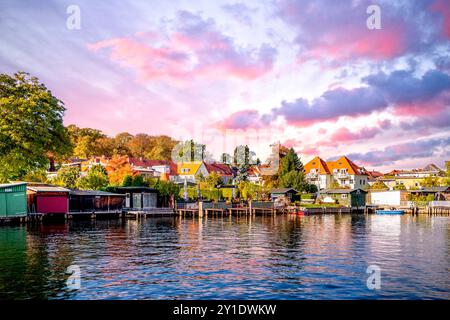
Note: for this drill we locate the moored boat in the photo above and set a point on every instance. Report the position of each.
(390, 212)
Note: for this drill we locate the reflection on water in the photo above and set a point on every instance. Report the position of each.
(282, 257)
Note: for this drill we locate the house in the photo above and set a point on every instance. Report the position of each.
(142, 167)
(189, 171)
(139, 197)
(373, 176)
(342, 172)
(223, 170)
(318, 173)
(13, 200)
(95, 201)
(345, 197)
(164, 169)
(412, 179)
(430, 170)
(255, 175)
(47, 199)
(288, 193)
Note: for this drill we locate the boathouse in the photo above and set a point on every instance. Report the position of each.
(288, 193)
(139, 197)
(95, 201)
(439, 193)
(13, 200)
(345, 197)
(47, 199)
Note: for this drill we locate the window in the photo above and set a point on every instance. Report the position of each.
(344, 196)
(351, 181)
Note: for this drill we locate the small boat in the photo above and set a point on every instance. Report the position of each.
(390, 211)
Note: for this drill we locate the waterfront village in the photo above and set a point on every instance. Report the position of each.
(126, 186)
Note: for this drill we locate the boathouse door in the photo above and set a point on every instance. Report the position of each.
(127, 200)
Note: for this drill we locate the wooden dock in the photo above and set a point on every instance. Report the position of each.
(94, 215)
(13, 220)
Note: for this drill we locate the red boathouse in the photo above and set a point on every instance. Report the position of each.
(47, 200)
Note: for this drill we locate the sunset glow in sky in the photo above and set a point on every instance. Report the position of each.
(309, 74)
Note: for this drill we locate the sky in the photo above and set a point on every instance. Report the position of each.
(308, 74)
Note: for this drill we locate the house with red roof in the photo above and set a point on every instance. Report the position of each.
(164, 169)
(222, 169)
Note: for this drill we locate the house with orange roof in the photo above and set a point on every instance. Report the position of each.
(342, 172)
(347, 174)
(318, 173)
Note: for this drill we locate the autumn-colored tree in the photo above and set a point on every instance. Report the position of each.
(139, 145)
(161, 148)
(121, 142)
(118, 168)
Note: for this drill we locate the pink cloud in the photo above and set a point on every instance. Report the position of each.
(345, 135)
(245, 119)
(336, 31)
(195, 49)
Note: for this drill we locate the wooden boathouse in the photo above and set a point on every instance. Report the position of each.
(95, 202)
(13, 201)
(47, 200)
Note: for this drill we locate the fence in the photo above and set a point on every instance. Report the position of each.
(440, 204)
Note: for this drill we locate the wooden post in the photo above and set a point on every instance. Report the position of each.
(200, 209)
(250, 206)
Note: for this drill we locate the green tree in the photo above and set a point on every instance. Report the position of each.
(96, 179)
(67, 177)
(291, 162)
(213, 180)
(379, 185)
(294, 179)
(400, 187)
(127, 181)
(31, 126)
(291, 172)
(138, 181)
(85, 141)
(430, 182)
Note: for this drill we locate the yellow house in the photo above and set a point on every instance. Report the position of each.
(190, 170)
(410, 183)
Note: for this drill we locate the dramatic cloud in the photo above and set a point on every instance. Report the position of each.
(399, 89)
(409, 150)
(246, 119)
(336, 30)
(195, 48)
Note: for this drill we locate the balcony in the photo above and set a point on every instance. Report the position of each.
(341, 175)
(312, 175)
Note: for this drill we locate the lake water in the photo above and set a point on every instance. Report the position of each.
(263, 257)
